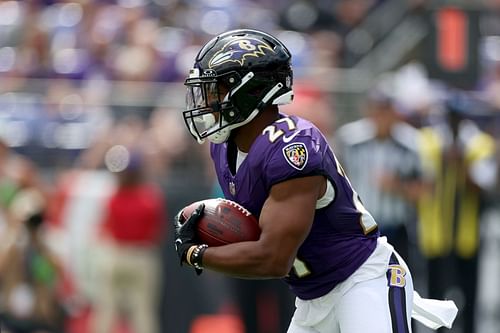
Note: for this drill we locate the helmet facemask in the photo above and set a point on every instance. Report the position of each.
(211, 115)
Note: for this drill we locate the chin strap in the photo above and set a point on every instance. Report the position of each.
(283, 99)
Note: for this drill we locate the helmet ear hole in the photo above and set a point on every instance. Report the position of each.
(230, 81)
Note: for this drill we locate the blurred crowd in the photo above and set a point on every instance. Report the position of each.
(95, 161)
(153, 40)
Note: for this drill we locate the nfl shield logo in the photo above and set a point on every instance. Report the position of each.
(232, 188)
(296, 155)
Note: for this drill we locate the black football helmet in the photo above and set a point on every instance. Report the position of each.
(235, 76)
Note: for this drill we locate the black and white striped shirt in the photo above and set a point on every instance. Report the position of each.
(367, 158)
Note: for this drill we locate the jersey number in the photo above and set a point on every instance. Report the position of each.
(274, 133)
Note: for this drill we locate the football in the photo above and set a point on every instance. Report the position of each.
(224, 222)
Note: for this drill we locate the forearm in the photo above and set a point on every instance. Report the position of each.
(246, 260)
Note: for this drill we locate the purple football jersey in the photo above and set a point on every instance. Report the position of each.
(343, 234)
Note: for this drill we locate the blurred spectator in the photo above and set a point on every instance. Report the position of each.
(350, 13)
(458, 159)
(326, 45)
(488, 307)
(30, 273)
(380, 151)
(492, 89)
(129, 261)
(34, 58)
(164, 141)
(414, 93)
(8, 184)
(128, 131)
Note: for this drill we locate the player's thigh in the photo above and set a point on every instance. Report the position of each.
(374, 306)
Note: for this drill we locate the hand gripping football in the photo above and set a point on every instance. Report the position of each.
(224, 222)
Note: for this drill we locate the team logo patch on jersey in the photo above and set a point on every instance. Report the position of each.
(296, 155)
(239, 50)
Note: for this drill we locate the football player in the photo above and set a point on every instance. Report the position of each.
(315, 232)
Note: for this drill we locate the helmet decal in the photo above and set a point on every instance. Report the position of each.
(238, 50)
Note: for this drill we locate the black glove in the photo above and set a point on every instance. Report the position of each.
(185, 236)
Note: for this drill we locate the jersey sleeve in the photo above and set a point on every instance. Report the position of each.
(298, 158)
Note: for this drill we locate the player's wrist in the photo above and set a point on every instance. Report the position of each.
(194, 255)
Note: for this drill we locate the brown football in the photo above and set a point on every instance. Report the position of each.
(224, 222)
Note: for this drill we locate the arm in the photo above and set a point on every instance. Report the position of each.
(285, 221)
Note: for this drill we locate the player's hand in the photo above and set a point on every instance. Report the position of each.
(185, 232)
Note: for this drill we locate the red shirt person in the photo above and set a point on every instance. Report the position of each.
(130, 262)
